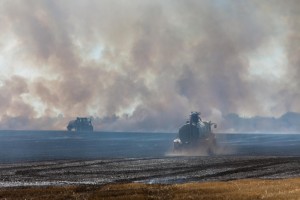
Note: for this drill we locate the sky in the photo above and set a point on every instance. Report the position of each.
(144, 65)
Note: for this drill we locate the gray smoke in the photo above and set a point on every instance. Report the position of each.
(144, 65)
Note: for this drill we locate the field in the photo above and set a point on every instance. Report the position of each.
(217, 177)
(237, 189)
(57, 165)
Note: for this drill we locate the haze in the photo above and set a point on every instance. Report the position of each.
(144, 65)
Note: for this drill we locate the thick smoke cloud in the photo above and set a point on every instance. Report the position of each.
(144, 65)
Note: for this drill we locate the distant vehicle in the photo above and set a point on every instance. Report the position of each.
(81, 124)
(195, 134)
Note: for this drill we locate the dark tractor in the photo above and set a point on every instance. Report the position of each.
(195, 134)
(81, 124)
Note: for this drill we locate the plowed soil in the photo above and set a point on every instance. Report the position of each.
(167, 170)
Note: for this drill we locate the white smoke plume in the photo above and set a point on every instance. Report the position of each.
(144, 65)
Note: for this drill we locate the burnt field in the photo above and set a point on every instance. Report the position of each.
(43, 158)
(166, 170)
(28, 146)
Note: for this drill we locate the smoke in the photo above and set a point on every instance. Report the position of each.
(144, 65)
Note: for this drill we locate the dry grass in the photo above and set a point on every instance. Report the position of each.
(239, 189)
